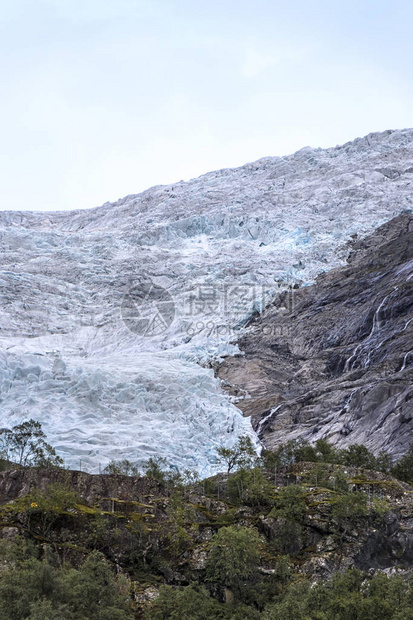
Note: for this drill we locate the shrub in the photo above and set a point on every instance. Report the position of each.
(349, 507)
(190, 603)
(123, 467)
(403, 469)
(233, 556)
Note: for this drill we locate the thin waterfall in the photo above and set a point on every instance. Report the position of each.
(267, 417)
(376, 326)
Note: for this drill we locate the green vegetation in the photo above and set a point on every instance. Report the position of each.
(403, 468)
(25, 445)
(322, 451)
(238, 546)
(34, 589)
(242, 455)
(124, 468)
(233, 557)
(352, 595)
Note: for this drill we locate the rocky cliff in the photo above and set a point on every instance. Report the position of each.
(335, 360)
(177, 524)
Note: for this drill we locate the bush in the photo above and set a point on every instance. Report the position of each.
(352, 595)
(250, 487)
(233, 557)
(349, 507)
(290, 503)
(43, 508)
(190, 603)
(403, 469)
(32, 589)
(123, 467)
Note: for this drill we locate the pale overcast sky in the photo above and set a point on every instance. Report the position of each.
(103, 98)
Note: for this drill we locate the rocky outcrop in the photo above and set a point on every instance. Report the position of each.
(335, 360)
(91, 489)
(319, 545)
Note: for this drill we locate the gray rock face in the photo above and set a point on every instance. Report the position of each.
(335, 360)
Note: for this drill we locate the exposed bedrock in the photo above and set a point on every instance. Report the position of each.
(335, 359)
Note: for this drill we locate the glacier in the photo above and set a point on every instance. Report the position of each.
(113, 318)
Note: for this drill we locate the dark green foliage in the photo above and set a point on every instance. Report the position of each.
(251, 488)
(178, 531)
(326, 452)
(190, 603)
(233, 557)
(162, 535)
(358, 455)
(321, 475)
(25, 445)
(352, 595)
(158, 469)
(43, 508)
(339, 482)
(403, 469)
(93, 591)
(347, 508)
(322, 451)
(383, 462)
(123, 467)
(288, 537)
(43, 609)
(290, 503)
(41, 590)
(289, 511)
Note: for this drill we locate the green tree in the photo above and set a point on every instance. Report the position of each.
(250, 487)
(25, 445)
(190, 603)
(292, 606)
(358, 455)
(233, 556)
(25, 583)
(290, 503)
(124, 467)
(243, 454)
(289, 511)
(43, 609)
(348, 508)
(156, 468)
(94, 592)
(383, 462)
(326, 451)
(44, 507)
(289, 453)
(403, 468)
(33, 589)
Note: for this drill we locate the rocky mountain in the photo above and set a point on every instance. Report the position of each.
(335, 360)
(112, 318)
